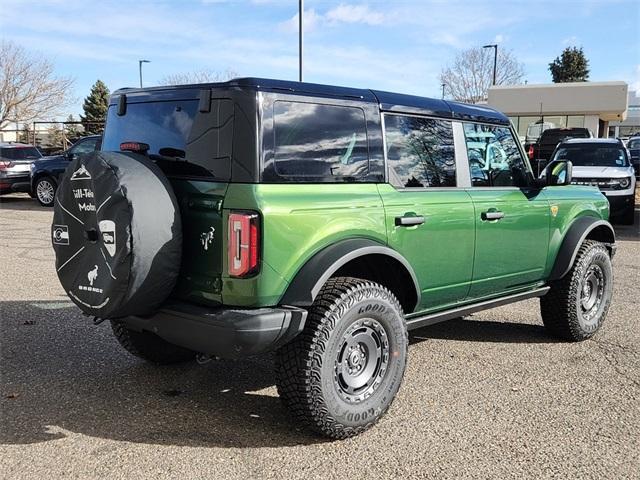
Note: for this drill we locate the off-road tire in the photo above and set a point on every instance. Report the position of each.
(309, 369)
(51, 183)
(149, 346)
(562, 308)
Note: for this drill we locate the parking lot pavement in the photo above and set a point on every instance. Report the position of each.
(486, 396)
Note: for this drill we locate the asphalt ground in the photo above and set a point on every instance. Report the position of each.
(487, 396)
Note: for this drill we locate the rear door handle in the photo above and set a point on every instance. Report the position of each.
(491, 215)
(409, 221)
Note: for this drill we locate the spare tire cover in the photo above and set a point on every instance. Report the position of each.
(117, 234)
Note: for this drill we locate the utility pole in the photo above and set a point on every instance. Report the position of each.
(300, 35)
(140, 62)
(495, 59)
(443, 85)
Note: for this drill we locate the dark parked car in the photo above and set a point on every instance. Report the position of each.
(15, 162)
(46, 173)
(634, 149)
(540, 151)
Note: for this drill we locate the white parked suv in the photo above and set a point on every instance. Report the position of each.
(605, 163)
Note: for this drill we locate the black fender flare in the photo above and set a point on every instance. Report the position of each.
(309, 279)
(577, 233)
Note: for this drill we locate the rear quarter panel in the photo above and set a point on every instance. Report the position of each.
(571, 202)
(299, 220)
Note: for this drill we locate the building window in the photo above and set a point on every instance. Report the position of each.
(575, 121)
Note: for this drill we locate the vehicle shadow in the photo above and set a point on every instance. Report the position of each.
(470, 330)
(61, 374)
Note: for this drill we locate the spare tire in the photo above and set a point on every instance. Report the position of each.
(117, 234)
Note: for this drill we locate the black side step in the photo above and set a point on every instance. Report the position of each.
(438, 317)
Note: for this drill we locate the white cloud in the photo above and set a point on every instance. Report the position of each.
(345, 13)
(311, 21)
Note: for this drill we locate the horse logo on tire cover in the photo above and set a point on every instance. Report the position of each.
(108, 231)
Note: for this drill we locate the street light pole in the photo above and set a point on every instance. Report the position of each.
(495, 59)
(140, 62)
(443, 85)
(300, 35)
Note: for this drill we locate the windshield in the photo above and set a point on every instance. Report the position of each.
(20, 153)
(593, 155)
(634, 143)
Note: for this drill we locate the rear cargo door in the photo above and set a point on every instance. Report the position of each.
(189, 135)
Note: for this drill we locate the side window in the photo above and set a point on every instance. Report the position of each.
(316, 142)
(420, 151)
(83, 146)
(494, 157)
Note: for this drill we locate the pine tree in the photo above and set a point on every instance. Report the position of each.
(72, 131)
(55, 138)
(95, 108)
(571, 66)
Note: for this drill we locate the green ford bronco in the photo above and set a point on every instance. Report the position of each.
(320, 223)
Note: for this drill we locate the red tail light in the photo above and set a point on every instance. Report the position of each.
(244, 244)
(530, 152)
(4, 165)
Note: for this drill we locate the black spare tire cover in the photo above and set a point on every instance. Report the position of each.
(117, 234)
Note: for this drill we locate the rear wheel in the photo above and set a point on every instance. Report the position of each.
(577, 304)
(341, 374)
(149, 346)
(46, 191)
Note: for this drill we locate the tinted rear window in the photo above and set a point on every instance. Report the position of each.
(593, 155)
(20, 153)
(556, 137)
(181, 140)
(318, 143)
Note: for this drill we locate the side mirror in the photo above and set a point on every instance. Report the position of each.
(558, 172)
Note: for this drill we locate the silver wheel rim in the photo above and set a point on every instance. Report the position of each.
(45, 191)
(591, 294)
(362, 360)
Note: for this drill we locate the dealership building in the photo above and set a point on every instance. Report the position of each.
(602, 107)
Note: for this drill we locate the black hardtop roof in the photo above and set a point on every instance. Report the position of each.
(388, 101)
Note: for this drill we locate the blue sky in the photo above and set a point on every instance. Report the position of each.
(393, 45)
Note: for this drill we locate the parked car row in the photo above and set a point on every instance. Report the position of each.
(605, 163)
(541, 149)
(23, 169)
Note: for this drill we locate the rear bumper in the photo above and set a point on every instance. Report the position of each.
(223, 332)
(15, 184)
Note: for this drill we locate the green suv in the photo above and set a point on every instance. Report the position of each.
(321, 223)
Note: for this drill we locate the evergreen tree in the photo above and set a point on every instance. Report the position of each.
(55, 138)
(72, 131)
(95, 108)
(571, 66)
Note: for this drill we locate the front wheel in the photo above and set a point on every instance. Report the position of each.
(577, 304)
(46, 191)
(341, 374)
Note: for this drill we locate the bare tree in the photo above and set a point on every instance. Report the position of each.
(469, 77)
(29, 88)
(198, 76)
